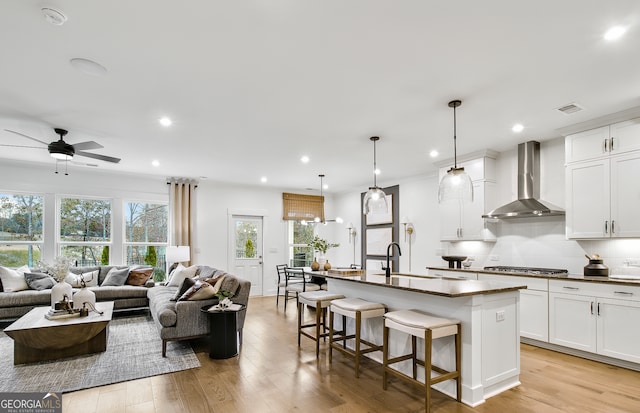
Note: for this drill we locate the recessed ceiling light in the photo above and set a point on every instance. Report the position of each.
(88, 67)
(165, 121)
(263, 179)
(155, 163)
(517, 128)
(304, 159)
(434, 153)
(614, 33)
(53, 16)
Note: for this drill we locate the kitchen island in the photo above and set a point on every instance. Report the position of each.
(489, 312)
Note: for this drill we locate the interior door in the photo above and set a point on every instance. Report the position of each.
(246, 250)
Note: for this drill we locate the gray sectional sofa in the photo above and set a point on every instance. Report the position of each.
(182, 320)
(14, 305)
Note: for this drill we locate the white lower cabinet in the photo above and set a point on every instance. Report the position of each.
(461, 274)
(591, 318)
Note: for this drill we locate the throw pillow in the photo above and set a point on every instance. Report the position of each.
(39, 281)
(116, 277)
(186, 284)
(173, 270)
(231, 285)
(199, 291)
(139, 276)
(90, 279)
(181, 274)
(13, 280)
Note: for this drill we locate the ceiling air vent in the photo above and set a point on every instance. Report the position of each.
(570, 108)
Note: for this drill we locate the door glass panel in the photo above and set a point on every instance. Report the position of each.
(246, 239)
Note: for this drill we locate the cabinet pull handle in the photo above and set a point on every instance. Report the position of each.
(571, 288)
(623, 292)
(613, 226)
(460, 232)
(598, 308)
(606, 227)
(604, 145)
(611, 144)
(591, 307)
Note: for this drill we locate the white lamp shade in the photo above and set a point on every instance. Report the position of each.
(455, 185)
(178, 254)
(375, 201)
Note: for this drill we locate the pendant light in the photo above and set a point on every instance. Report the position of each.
(375, 200)
(456, 184)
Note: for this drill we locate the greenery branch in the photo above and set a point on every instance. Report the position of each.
(321, 245)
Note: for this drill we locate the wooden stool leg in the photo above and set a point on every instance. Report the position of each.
(427, 369)
(385, 355)
(318, 317)
(344, 331)
(330, 336)
(357, 343)
(459, 362)
(414, 352)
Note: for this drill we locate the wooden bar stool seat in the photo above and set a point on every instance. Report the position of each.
(357, 309)
(319, 300)
(419, 324)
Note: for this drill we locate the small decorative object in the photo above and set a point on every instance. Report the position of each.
(322, 246)
(315, 266)
(59, 270)
(327, 266)
(596, 266)
(85, 297)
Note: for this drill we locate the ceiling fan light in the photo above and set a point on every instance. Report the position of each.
(62, 156)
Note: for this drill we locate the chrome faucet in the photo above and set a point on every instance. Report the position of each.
(387, 272)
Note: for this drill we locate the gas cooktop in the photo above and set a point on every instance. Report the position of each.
(527, 270)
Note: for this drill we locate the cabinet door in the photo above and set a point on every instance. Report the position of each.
(625, 195)
(450, 217)
(586, 145)
(618, 331)
(588, 209)
(572, 321)
(473, 225)
(625, 136)
(534, 314)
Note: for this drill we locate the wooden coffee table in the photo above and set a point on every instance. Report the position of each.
(38, 339)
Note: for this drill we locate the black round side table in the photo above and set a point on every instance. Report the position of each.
(223, 332)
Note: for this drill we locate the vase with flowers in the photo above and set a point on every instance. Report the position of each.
(321, 246)
(59, 271)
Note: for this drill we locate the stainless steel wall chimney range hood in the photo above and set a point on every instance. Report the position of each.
(528, 203)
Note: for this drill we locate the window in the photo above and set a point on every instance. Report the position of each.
(299, 235)
(21, 230)
(146, 234)
(85, 230)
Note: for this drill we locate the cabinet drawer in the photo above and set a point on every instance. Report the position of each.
(532, 283)
(464, 274)
(573, 287)
(604, 290)
(619, 291)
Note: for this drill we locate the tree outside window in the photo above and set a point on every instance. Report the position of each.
(85, 229)
(21, 229)
(146, 235)
(300, 254)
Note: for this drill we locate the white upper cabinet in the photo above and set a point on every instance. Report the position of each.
(603, 189)
(462, 221)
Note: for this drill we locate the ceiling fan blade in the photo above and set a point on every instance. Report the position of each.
(22, 146)
(87, 145)
(97, 156)
(28, 137)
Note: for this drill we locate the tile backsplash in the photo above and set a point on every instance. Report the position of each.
(541, 242)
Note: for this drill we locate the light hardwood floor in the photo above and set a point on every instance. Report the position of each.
(272, 375)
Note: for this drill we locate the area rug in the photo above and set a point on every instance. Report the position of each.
(134, 350)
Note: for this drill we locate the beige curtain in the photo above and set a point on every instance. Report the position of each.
(182, 206)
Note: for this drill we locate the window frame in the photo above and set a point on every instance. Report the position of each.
(291, 245)
(41, 243)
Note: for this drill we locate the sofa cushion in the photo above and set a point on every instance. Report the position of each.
(116, 277)
(104, 270)
(186, 284)
(90, 279)
(206, 272)
(39, 281)
(139, 276)
(180, 273)
(112, 293)
(13, 280)
(26, 298)
(201, 290)
(162, 306)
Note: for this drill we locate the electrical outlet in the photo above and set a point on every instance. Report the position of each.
(500, 315)
(633, 262)
(494, 258)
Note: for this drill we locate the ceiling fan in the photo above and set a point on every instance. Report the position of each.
(63, 151)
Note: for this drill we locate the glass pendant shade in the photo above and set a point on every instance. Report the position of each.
(455, 185)
(375, 200)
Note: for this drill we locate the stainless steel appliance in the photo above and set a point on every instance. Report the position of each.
(527, 270)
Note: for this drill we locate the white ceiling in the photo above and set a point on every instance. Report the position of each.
(254, 85)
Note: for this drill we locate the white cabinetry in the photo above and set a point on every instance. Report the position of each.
(463, 275)
(534, 304)
(598, 318)
(462, 221)
(603, 192)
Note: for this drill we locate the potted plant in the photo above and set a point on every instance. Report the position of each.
(322, 246)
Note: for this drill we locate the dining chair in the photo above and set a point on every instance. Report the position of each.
(297, 281)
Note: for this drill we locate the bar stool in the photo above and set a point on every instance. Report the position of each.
(429, 327)
(319, 300)
(358, 309)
